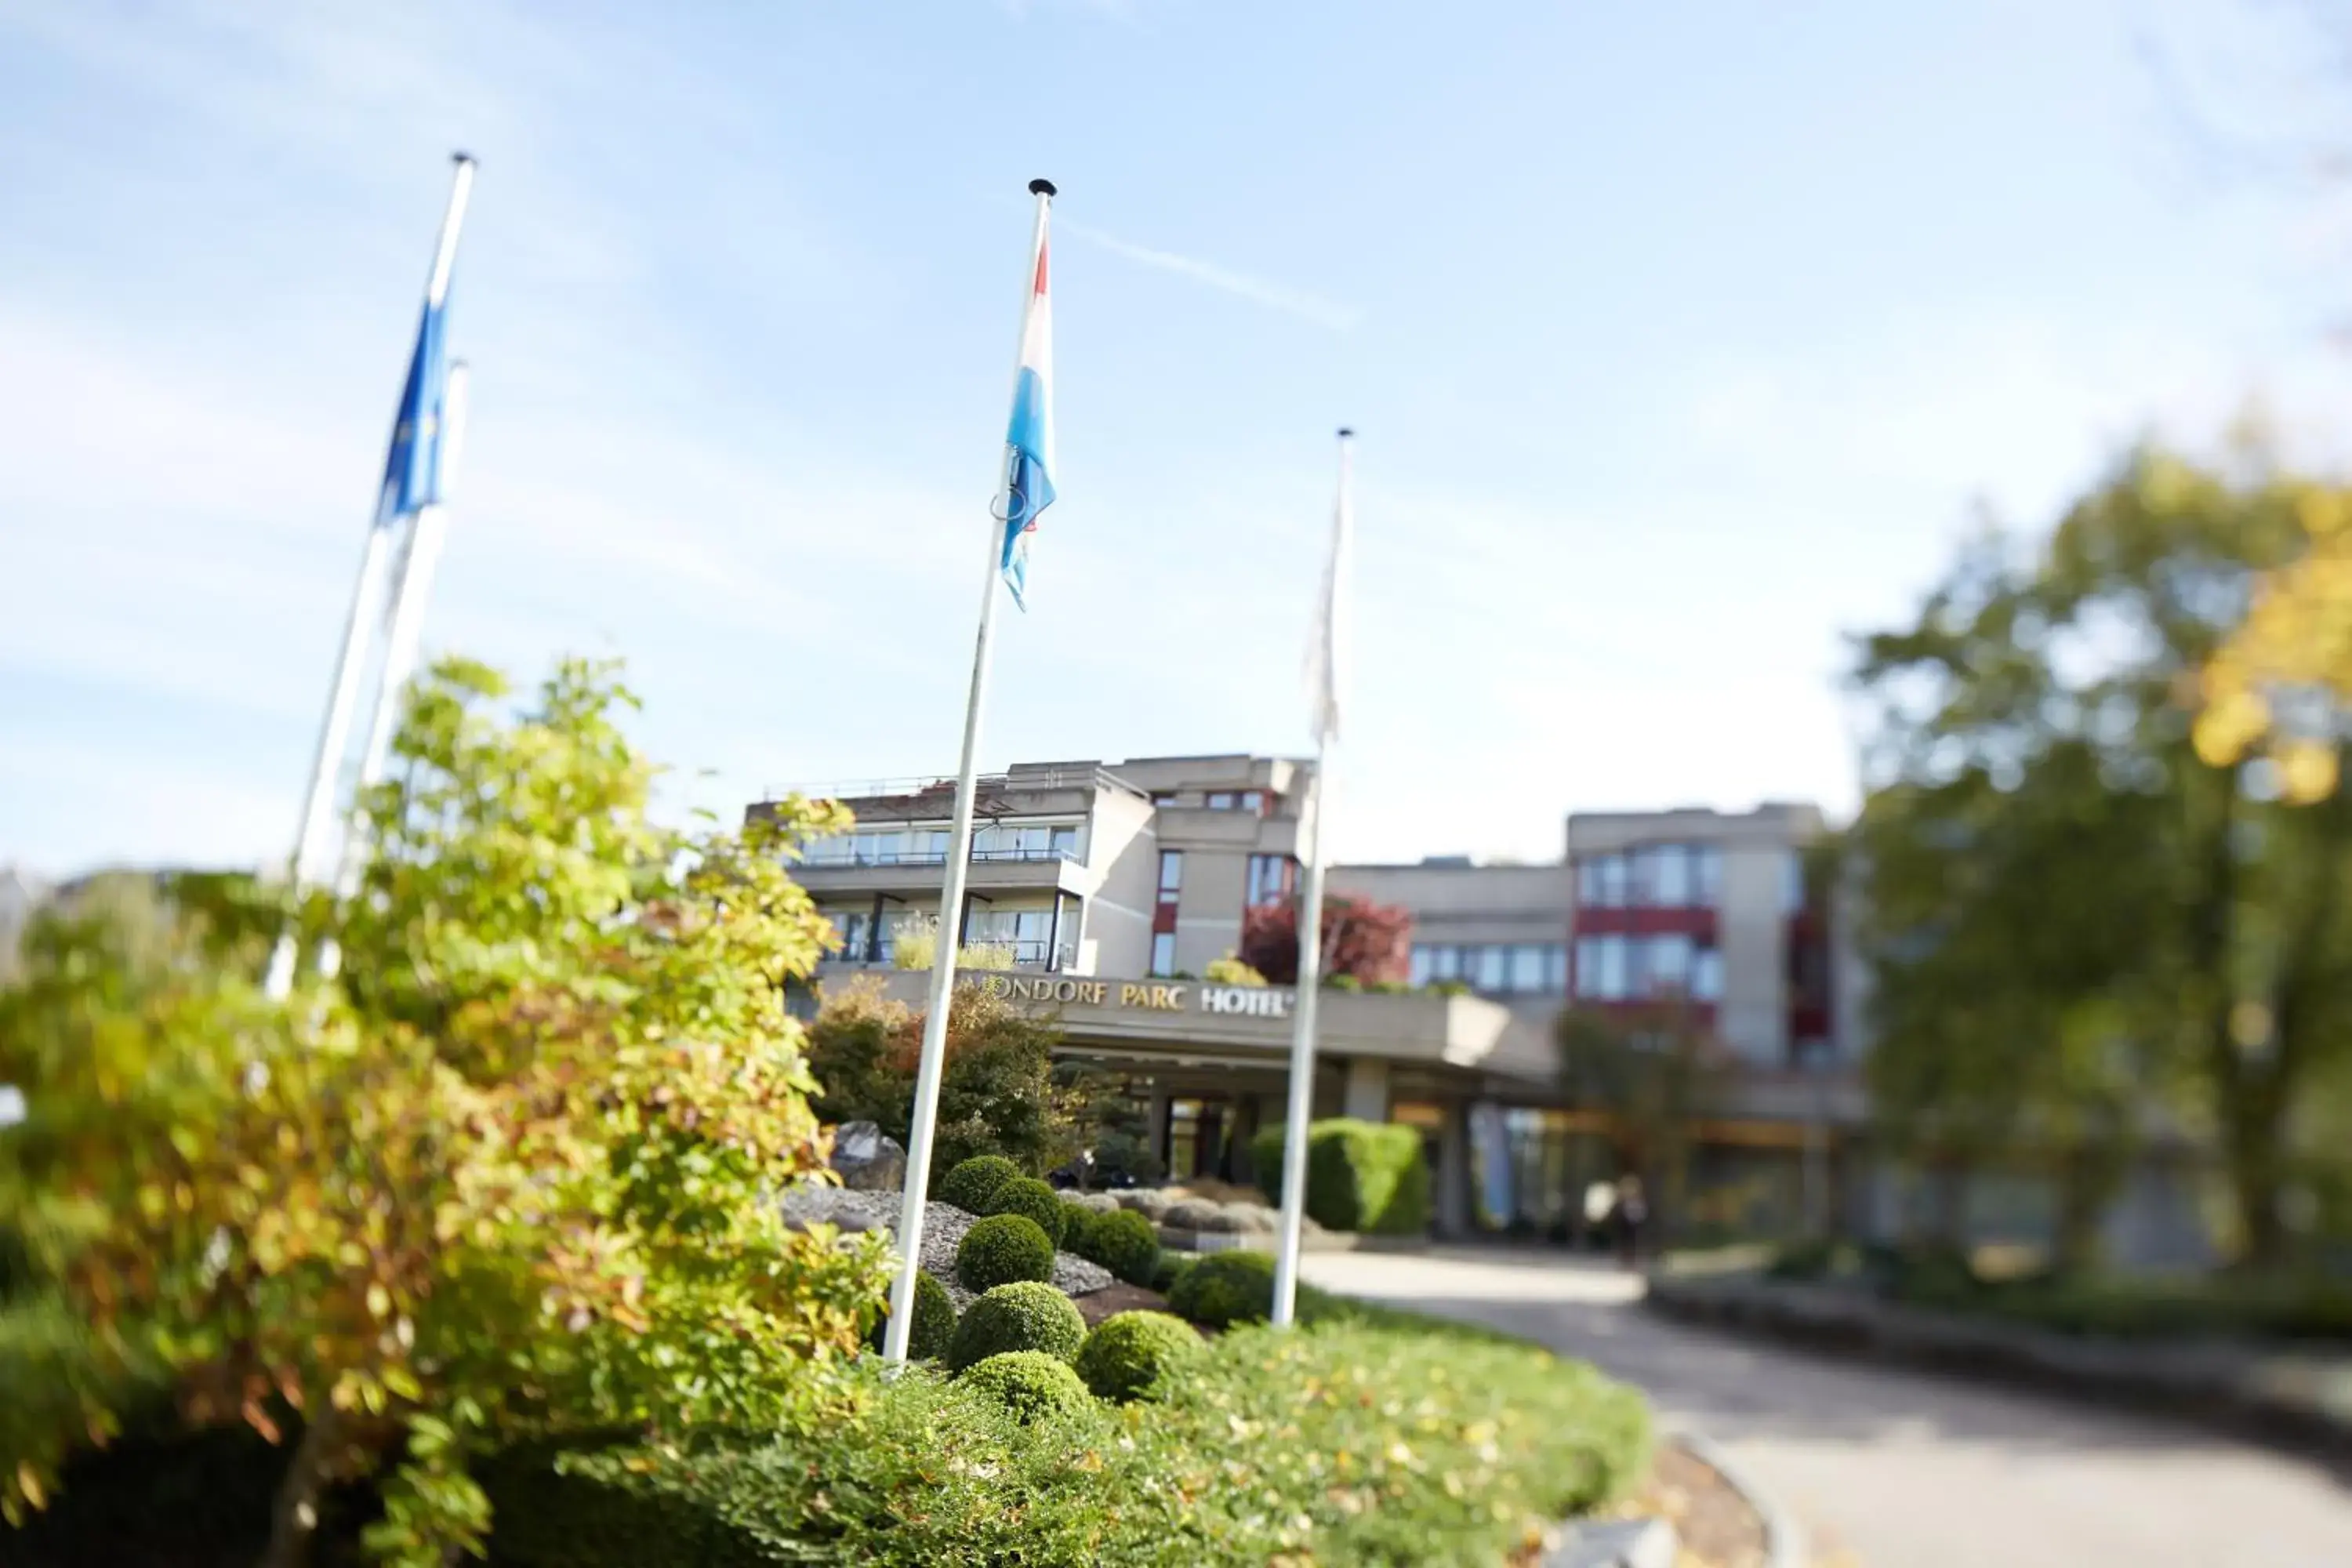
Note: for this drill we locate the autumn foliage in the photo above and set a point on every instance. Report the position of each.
(1370, 942)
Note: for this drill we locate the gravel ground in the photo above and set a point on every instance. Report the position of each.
(943, 1228)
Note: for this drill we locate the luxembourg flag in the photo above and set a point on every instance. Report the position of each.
(1029, 442)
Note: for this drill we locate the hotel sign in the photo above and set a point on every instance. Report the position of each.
(1144, 996)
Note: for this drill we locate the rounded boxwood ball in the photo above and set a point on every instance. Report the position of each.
(1226, 1288)
(1172, 1267)
(1076, 1220)
(1124, 1242)
(935, 1319)
(1030, 1384)
(1021, 1316)
(1002, 1248)
(1128, 1353)
(1027, 1195)
(973, 1182)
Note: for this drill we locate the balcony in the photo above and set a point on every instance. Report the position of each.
(1027, 955)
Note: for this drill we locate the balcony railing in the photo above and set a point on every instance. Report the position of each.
(927, 784)
(851, 858)
(1031, 954)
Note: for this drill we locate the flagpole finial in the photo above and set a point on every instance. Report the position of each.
(1347, 432)
(462, 156)
(1042, 188)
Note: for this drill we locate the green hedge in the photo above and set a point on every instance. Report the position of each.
(1002, 1248)
(1124, 1242)
(1366, 1176)
(1024, 1316)
(1028, 1195)
(971, 1183)
(1130, 1351)
(1352, 1441)
(1226, 1288)
(1076, 1221)
(935, 1319)
(1031, 1384)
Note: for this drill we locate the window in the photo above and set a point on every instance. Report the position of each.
(1445, 962)
(1269, 878)
(1666, 967)
(1163, 952)
(1609, 876)
(1792, 882)
(1163, 797)
(1486, 967)
(1254, 802)
(1171, 875)
(1529, 977)
(1707, 975)
(1420, 965)
(1669, 875)
(1223, 800)
(1028, 933)
(1556, 970)
(1066, 844)
(1706, 876)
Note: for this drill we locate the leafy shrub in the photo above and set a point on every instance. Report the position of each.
(999, 1093)
(1124, 1242)
(512, 1168)
(1805, 1260)
(1128, 1351)
(1503, 1438)
(1342, 983)
(1030, 1384)
(1172, 1267)
(973, 1182)
(1231, 971)
(1226, 1288)
(1002, 1248)
(1076, 1220)
(1028, 1195)
(1366, 1176)
(1023, 1316)
(935, 1319)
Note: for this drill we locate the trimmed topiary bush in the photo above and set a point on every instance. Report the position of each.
(1030, 1384)
(1027, 1195)
(1023, 1316)
(1123, 1242)
(1002, 1248)
(1225, 1289)
(1076, 1220)
(1366, 1176)
(1171, 1268)
(971, 1183)
(935, 1319)
(1128, 1351)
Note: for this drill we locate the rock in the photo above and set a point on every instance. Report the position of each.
(1101, 1203)
(865, 1160)
(1200, 1214)
(1254, 1218)
(1151, 1203)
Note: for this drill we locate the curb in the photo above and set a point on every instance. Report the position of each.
(1784, 1538)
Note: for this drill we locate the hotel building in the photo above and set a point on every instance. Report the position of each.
(1114, 883)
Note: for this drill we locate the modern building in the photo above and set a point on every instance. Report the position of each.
(1110, 885)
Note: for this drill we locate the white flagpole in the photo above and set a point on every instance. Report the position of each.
(1310, 915)
(311, 845)
(930, 1064)
(426, 532)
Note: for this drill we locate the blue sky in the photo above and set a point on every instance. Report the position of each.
(1683, 342)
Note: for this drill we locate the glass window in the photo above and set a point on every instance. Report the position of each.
(1066, 842)
(1527, 976)
(1706, 876)
(1269, 878)
(1487, 967)
(1613, 981)
(1612, 882)
(1666, 967)
(1556, 969)
(1171, 874)
(1445, 962)
(1223, 800)
(1792, 882)
(1421, 961)
(1670, 879)
(1707, 975)
(1588, 966)
(1254, 802)
(1163, 797)
(1163, 952)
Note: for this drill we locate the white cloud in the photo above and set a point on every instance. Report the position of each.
(1289, 301)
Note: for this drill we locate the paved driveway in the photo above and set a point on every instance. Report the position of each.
(1905, 1470)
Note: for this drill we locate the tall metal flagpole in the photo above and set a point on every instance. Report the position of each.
(1327, 653)
(950, 929)
(312, 846)
(426, 532)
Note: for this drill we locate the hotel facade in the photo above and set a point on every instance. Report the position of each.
(1114, 885)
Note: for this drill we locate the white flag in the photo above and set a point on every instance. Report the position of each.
(1327, 652)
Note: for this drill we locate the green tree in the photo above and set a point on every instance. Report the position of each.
(2079, 922)
(1657, 1074)
(511, 1173)
(999, 1094)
